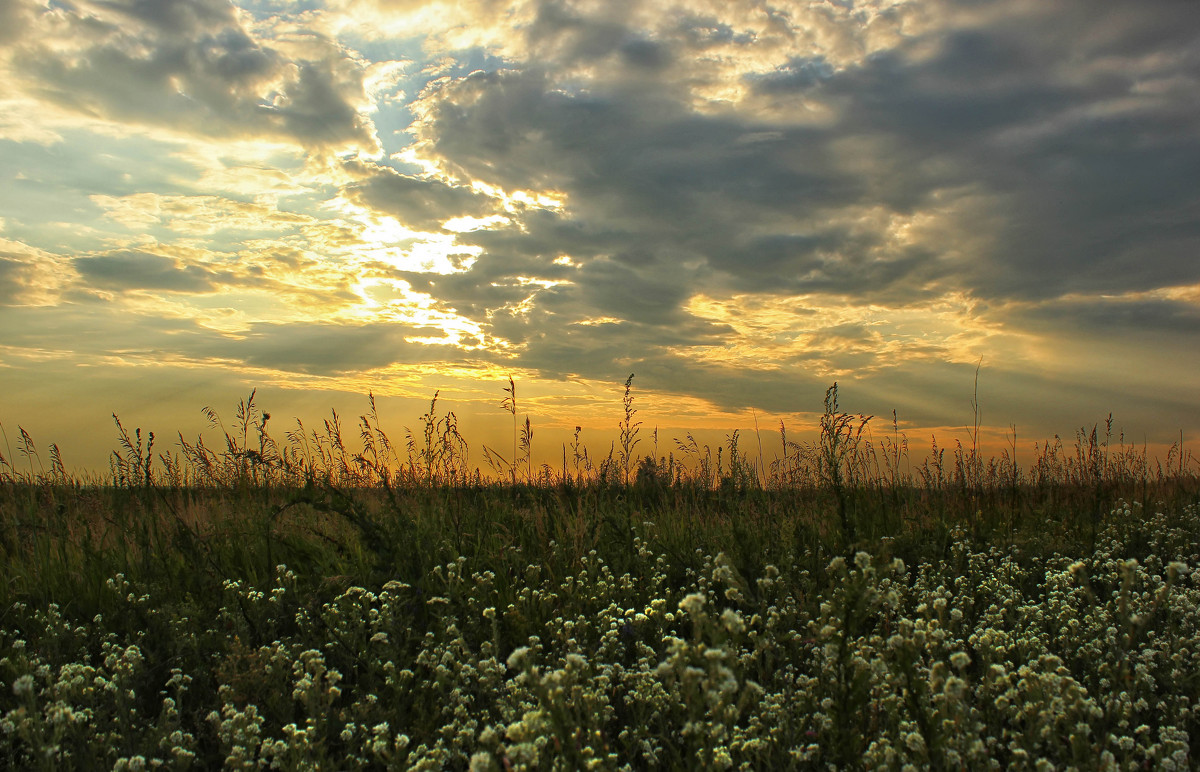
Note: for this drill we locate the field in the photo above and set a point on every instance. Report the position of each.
(301, 605)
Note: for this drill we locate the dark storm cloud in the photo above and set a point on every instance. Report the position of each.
(744, 203)
(1079, 167)
(663, 203)
(647, 54)
(559, 31)
(1142, 317)
(976, 82)
(1084, 168)
(133, 270)
(420, 204)
(798, 75)
(1005, 152)
(618, 288)
(191, 65)
(640, 171)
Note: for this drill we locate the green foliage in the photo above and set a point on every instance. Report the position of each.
(535, 654)
(304, 605)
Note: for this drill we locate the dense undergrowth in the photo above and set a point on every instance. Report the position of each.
(306, 606)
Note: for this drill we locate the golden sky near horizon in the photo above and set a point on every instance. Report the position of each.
(739, 202)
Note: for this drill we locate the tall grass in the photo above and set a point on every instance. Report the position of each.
(231, 563)
(267, 499)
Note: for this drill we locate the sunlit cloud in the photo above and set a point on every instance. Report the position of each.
(193, 68)
(195, 215)
(467, 224)
(841, 339)
(740, 202)
(29, 276)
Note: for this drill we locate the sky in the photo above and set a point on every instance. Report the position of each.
(741, 202)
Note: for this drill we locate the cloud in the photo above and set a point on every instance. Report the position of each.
(326, 349)
(29, 276)
(14, 21)
(737, 201)
(661, 203)
(95, 330)
(1081, 162)
(421, 204)
(940, 118)
(127, 270)
(735, 154)
(222, 290)
(195, 67)
(11, 283)
(1150, 317)
(196, 215)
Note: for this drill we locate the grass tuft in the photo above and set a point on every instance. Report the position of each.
(306, 604)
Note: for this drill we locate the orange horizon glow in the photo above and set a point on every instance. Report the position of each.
(740, 206)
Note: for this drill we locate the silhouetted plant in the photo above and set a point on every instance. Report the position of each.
(839, 459)
(629, 429)
(133, 467)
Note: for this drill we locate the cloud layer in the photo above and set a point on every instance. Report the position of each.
(739, 201)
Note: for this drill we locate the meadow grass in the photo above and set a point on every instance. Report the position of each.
(304, 605)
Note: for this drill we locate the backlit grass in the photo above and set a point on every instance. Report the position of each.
(316, 603)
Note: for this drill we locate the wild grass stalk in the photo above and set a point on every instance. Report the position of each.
(629, 430)
(364, 608)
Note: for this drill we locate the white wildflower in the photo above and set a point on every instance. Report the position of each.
(732, 621)
(692, 604)
(23, 685)
(517, 658)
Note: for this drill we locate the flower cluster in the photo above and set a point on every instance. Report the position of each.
(982, 659)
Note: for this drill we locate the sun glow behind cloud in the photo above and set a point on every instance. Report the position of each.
(845, 339)
(740, 202)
